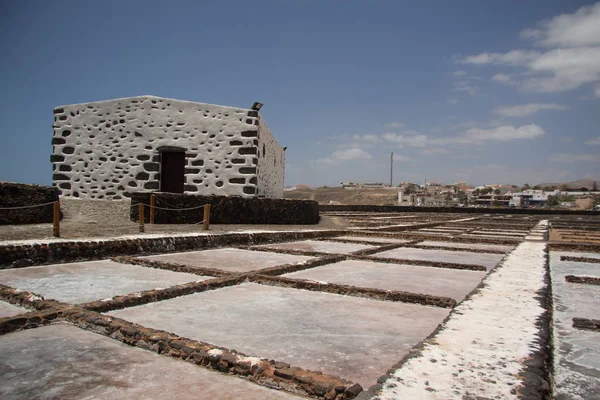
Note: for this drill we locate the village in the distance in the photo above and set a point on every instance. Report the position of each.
(576, 195)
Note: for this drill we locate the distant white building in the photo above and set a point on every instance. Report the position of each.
(531, 198)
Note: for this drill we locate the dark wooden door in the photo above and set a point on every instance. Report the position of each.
(172, 171)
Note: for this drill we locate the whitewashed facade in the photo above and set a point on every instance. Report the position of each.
(102, 150)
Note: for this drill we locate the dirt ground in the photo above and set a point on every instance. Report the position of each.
(383, 196)
(584, 203)
(110, 218)
(575, 236)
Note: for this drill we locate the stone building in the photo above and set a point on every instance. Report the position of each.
(102, 150)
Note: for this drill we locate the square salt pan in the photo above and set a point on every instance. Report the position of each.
(10, 310)
(319, 246)
(355, 338)
(478, 246)
(459, 257)
(433, 281)
(89, 281)
(577, 352)
(231, 260)
(62, 361)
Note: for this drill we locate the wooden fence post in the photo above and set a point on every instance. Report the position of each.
(206, 221)
(152, 200)
(56, 219)
(141, 216)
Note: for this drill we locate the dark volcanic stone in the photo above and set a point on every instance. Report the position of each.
(229, 209)
(18, 195)
(151, 166)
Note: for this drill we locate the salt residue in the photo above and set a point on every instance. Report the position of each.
(482, 346)
(251, 360)
(147, 236)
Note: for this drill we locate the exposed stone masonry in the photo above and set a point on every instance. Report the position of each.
(19, 195)
(588, 280)
(226, 209)
(105, 149)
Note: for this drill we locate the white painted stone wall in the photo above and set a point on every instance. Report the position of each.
(271, 163)
(103, 149)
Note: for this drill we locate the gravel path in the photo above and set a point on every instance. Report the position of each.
(110, 218)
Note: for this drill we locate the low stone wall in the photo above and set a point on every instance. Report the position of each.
(580, 259)
(576, 247)
(24, 255)
(587, 280)
(347, 290)
(420, 263)
(22, 195)
(226, 209)
(146, 262)
(587, 324)
(458, 210)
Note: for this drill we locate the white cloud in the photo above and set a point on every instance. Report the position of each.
(409, 140)
(460, 73)
(470, 89)
(525, 110)
(564, 69)
(594, 142)
(513, 58)
(503, 78)
(572, 158)
(369, 138)
(581, 28)
(452, 101)
(341, 156)
(429, 152)
(571, 61)
(395, 124)
(506, 133)
(353, 147)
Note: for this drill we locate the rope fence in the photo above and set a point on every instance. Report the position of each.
(33, 206)
(55, 214)
(152, 206)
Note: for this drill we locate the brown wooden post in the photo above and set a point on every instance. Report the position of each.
(56, 219)
(206, 221)
(141, 216)
(152, 200)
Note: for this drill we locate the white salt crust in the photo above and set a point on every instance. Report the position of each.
(481, 349)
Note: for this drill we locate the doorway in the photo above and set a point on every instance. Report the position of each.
(172, 170)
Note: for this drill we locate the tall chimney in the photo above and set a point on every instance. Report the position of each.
(391, 169)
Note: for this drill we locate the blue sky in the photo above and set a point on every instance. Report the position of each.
(486, 92)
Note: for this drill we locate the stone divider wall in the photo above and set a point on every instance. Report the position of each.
(19, 195)
(348, 290)
(577, 247)
(580, 259)
(587, 280)
(458, 210)
(226, 209)
(587, 324)
(24, 255)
